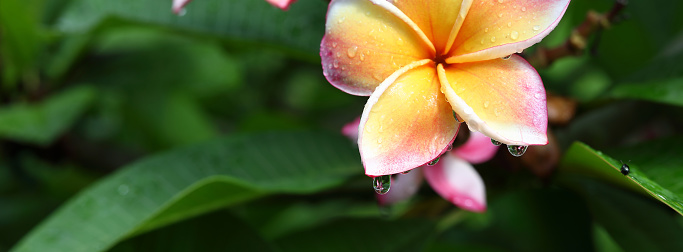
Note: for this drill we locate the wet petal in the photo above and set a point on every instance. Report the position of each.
(364, 43)
(178, 5)
(477, 149)
(282, 4)
(494, 29)
(406, 122)
(403, 186)
(504, 99)
(457, 181)
(436, 18)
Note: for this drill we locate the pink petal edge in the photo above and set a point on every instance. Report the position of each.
(458, 182)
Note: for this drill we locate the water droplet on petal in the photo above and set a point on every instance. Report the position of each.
(517, 150)
(335, 63)
(536, 27)
(523, 8)
(486, 104)
(381, 184)
(493, 39)
(500, 1)
(334, 44)
(507, 57)
(500, 15)
(509, 24)
(450, 148)
(496, 143)
(514, 35)
(486, 29)
(362, 56)
(433, 162)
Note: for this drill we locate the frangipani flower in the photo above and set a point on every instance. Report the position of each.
(178, 5)
(420, 61)
(453, 177)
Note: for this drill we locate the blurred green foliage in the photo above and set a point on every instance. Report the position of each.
(124, 127)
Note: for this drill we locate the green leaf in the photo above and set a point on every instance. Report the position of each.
(299, 29)
(634, 222)
(651, 176)
(43, 122)
(180, 184)
(360, 235)
(219, 231)
(668, 91)
(22, 40)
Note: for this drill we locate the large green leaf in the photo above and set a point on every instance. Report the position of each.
(655, 169)
(219, 231)
(635, 223)
(299, 29)
(41, 123)
(167, 188)
(362, 235)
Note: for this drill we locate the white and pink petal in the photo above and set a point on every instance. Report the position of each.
(458, 182)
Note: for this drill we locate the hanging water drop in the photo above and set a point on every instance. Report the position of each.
(496, 143)
(507, 57)
(457, 117)
(406, 172)
(381, 184)
(450, 148)
(517, 150)
(433, 162)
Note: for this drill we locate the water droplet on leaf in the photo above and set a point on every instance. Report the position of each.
(517, 150)
(381, 184)
(123, 189)
(182, 12)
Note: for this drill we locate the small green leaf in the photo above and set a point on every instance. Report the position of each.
(298, 29)
(180, 184)
(659, 181)
(371, 235)
(43, 122)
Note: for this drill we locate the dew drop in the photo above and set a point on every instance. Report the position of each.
(517, 150)
(335, 63)
(351, 52)
(334, 44)
(486, 29)
(496, 143)
(482, 41)
(123, 189)
(493, 39)
(507, 57)
(523, 8)
(381, 184)
(486, 104)
(536, 27)
(362, 56)
(500, 15)
(509, 24)
(514, 35)
(433, 162)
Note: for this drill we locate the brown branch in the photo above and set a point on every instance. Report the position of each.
(576, 44)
